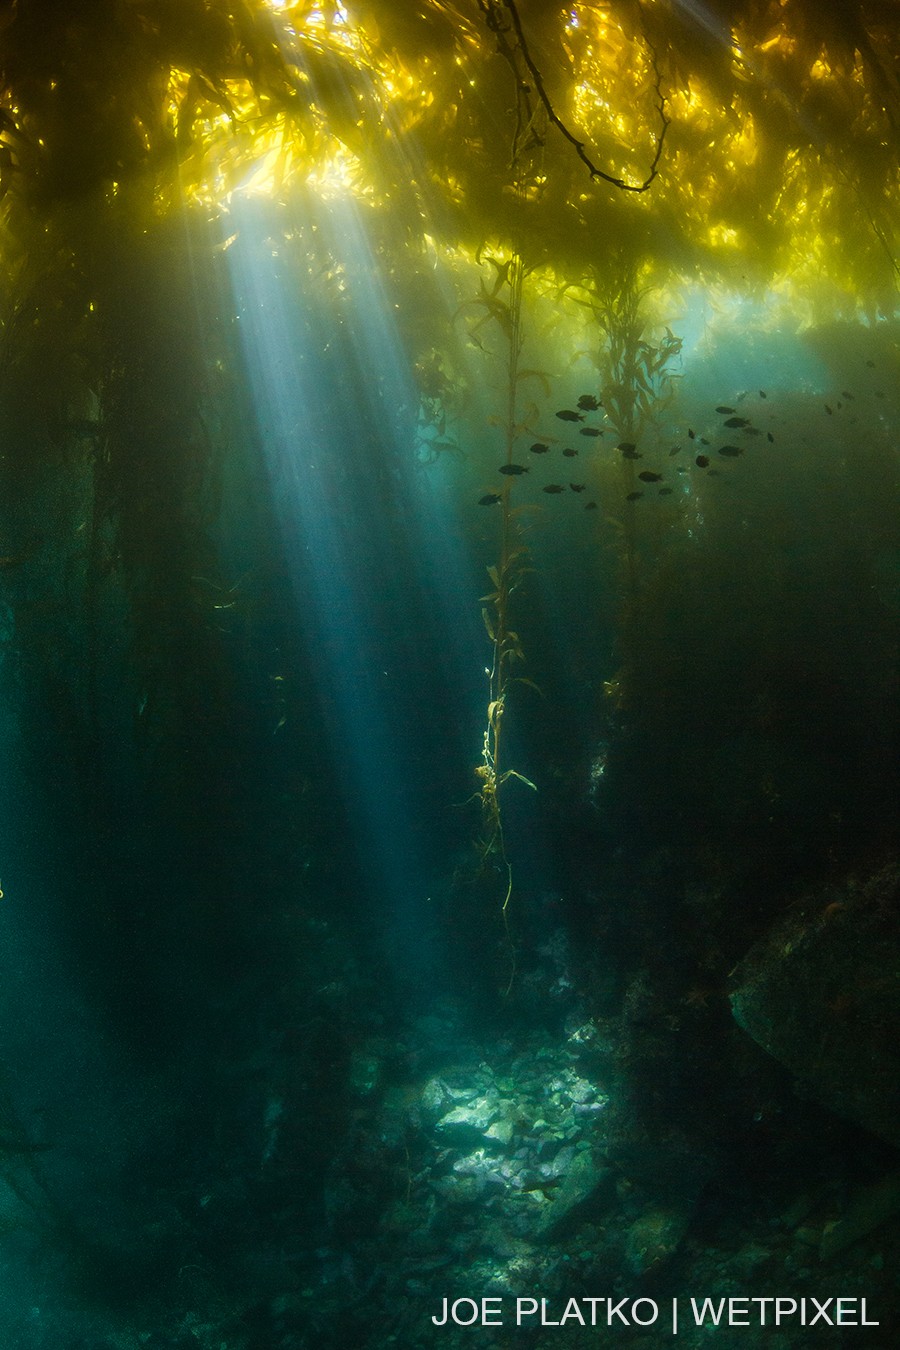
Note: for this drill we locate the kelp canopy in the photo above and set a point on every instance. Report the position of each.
(482, 120)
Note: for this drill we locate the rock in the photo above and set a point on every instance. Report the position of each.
(584, 1184)
(501, 1132)
(821, 995)
(869, 1209)
(473, 1118)
(653, 1238)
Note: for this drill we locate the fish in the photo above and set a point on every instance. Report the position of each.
(704, 441)
(731, 451)
(769, 436)
(702, 461)
(553, 487)
(590, 506)
(513, 468)
(738, 422)
(633, 496)
(649, 477)
(590, 431)
(587, 403)
(570, 454)
(665, 492)
(692, 433)
(577, 487)
(489, 499)
(567, 415)
(722, 409)
(629, 452)
(676, 450)
(871, 363)
(763, 394)
(828, 410)
(539, 448)
(846, 394)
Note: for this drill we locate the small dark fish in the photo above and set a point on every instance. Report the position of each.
(587, 403)
(539, 448)
(513, 468)
(731, 451)
(570, 454)
(704, 441)
(827, 409)
(770, 436)
(577, 487)
(723, 410)
(633, 496)
(590, 506)
(567, 415)
(692, 434)
(676, 450)
(590, 431)
(665, 492)
(648, 477)
(553, 487)
(846, 394)
(702, 461)
(626, 447)
(763, 394)
(871, 363)
(738, 422)
(489, 499)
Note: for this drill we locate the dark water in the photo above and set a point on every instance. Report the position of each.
(278, 1068)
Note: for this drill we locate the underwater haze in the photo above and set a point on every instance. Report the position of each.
(449, 616)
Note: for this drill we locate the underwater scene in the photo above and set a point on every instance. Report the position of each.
(449, 617)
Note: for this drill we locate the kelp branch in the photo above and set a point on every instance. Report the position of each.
(518, 56)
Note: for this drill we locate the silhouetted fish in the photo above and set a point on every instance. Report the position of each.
(567, 415)
(649, 477)
(513, 468)
(590, 506)
(828, 410)
(590, 431)
(763, 394)
(553, 487)
(570, 454)
(676, 450)
(577, 487)
(770, 436)
(489, 499)
(587, 403)
(722, 409)
(702, 461)
(692, 433)
(665, 492)
(539, 448)
(730, 451)
(633, 496)
(738, 422)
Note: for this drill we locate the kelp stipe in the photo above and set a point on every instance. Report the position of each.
(502, 305)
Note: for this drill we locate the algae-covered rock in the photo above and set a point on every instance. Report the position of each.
(822, 995)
